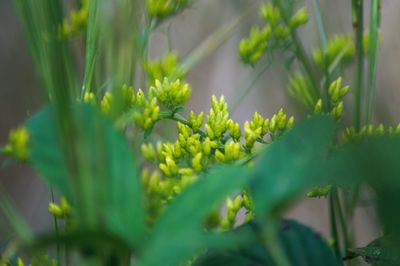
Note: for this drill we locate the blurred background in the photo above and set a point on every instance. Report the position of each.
(220, 73)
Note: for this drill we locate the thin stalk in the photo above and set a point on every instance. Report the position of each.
(372, 58)
(300, 51)
(90, 48)
(342, 221)
(358, 27)
(56, 229)
(334, 230)
(324, 44)
(247, 90)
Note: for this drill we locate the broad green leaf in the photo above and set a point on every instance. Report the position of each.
(106, 191)
(302, 246)
(292, 164)
(179, 233)
(380, 252)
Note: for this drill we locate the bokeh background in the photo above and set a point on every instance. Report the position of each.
(220, 73)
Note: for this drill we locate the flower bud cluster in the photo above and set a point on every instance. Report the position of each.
(318, 191)
(161, 9)
(179, 163)
(17, 146)
(217, 119)
(233, 206)
(339, 45)
(168, 66)
(336, 94)
(299, 87)
(256, 129)
(76, 22)
(351, 134)
(252, 48)
(171, 94)
(60, 211)
(276, 33)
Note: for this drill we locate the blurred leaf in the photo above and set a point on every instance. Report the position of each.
(179, 233)
(302, 245)
(380, 252)
(14, 218)
(292, 164)
(374, 160)
(107, 190)
(46, 155)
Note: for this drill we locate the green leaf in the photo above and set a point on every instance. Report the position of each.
(292, 164)
(302, 246)
(179, 233)
(105, 192)
(380, 252)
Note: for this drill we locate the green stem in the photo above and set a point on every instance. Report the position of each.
(372, 58)
(342, 221)
(56, 230)
(358, 26)
(334, 231)
(177, 117)
(300, 51)
(324, 44)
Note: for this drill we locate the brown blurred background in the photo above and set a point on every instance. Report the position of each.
(220, 73)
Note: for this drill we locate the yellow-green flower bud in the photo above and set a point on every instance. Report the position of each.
(161, 9)
(237, 203)
(380, 130)
(55, 210)
(270, 14)
(149, 114)
(196, 122)
(251, 49)
(148, 151)
(196, 162)
(281, 32)
(168, 66)
(232, 151)
(338, 45)
(219, 156)
(234, 129)
(251, 135)
(290, 122)
(105, 104)
(318, 107)
(18, 144)
(337, 111)
(89, 97)
(171, 94)
(65, 207)
(207, 146)
(169, 168)
(217, 119)
(299, 18)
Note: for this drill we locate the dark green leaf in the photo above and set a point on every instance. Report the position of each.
(292, 164)
(380, 252)
(302, 246)
(106, 191)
